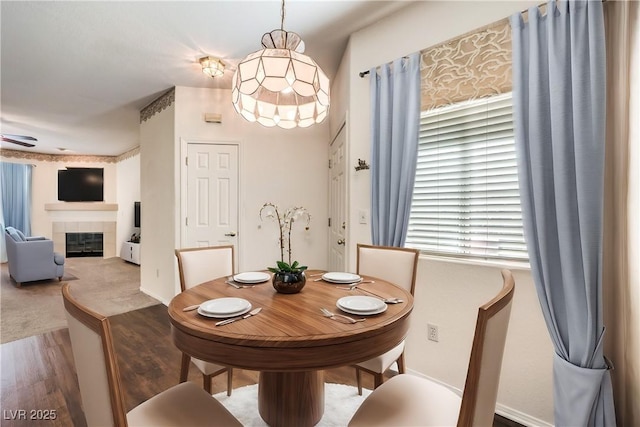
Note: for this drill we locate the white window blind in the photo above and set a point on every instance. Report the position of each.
(466, 200)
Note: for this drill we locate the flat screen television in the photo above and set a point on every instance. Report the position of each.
(136, 214)
(81, 185)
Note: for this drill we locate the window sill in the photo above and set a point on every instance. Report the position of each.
(511, 265)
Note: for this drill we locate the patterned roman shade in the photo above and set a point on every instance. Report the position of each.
(474, 65)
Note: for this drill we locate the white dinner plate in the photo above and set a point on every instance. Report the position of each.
(361, 305)
(225, 306)
(223, 316)
(252, 277)
(342, 278)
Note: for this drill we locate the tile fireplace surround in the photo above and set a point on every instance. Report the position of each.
(84, 218)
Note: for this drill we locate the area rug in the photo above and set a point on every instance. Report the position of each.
(340, 403)
(109, 286)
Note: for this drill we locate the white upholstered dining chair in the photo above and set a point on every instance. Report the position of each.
(408, 400)
(398, 266)
(100, 385)
(196, 266)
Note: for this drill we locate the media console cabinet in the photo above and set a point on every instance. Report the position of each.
(130, 252)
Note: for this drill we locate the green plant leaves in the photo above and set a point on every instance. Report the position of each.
(283, 267)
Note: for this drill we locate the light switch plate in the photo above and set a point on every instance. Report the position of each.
(363, 216)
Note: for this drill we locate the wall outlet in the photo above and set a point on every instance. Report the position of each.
(432, 332)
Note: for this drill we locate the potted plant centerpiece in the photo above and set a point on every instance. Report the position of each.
(288, 277)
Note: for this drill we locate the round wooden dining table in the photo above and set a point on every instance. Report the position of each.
(290, 342)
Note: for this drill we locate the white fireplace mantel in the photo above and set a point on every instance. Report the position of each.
(81, 206)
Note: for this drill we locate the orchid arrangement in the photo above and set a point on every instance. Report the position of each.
(285, 221)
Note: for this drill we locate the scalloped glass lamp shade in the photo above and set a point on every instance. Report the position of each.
(212, 66)
(279, 85)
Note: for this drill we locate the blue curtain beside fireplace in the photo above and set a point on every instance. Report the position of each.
(15, 203)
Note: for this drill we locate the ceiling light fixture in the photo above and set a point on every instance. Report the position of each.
(278, 85)
(212, 66)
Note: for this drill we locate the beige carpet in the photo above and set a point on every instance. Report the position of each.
(110, 286)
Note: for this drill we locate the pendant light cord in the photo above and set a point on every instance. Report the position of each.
(282, 17)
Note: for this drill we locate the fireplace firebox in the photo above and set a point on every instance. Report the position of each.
(84, 245)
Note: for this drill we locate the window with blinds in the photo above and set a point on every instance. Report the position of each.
(466, 200)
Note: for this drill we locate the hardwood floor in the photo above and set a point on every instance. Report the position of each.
(38, 375)
(38, 372)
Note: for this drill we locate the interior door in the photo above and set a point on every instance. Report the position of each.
(212, 195)
(337, 201)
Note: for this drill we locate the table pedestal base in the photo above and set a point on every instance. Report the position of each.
(291, 399)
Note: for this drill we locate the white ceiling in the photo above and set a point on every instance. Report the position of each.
(76, 73)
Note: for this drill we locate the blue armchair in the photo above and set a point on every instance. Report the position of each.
(31, 258)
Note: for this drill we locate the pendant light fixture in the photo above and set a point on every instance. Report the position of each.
(279, 85)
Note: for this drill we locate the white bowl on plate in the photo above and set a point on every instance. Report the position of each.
(361, 305)
(252, 277)
(224, 307)
(341, 278)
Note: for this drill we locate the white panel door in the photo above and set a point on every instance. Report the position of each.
(337, 201)
(212, 195)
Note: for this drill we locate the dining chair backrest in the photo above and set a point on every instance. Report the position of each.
(483, 375)
(395, 265)
(95, 361)
(199, 265)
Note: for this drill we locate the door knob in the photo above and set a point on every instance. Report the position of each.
(341, 242)
(231, 234)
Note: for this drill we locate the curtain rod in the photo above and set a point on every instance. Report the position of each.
(364, 73)
(541, 5)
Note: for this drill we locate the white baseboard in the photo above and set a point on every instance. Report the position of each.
(152, 295)
(520, 417)
(502, 410)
